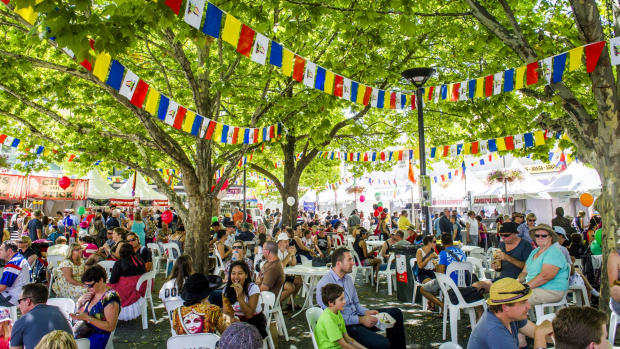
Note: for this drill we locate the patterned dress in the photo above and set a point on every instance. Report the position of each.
(64, 289)
(99, 338)
(198, 318)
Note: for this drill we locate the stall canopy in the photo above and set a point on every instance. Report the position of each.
(143, 191)
(308, 201)
(455, 194)
(99, 189)
(529, 188)
(576, 180)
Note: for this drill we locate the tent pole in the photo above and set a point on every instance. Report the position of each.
(507, 205)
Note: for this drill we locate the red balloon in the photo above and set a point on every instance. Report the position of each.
(64, 182)
(380, 209)
(376, 214)
(225, 185)
(90, 217)
(166, 217)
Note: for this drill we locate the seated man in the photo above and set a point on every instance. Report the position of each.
(271, 276)
(579, 328)
(511, 260)
(286, 254)
(16, 274)
(360, 324)
(506, 318)
(48, 318)
(246, 235)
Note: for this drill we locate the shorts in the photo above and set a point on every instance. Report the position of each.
(432, 287)
(289, 278)
(367, 262)
(542, 296)
(424, 274)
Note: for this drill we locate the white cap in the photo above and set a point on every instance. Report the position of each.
(282, 237)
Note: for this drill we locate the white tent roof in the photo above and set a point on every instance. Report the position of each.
(456, 189)
(576, 180)
(529, 188)
(143, 191)
(309, 196)
(98, 188)
(326, 197)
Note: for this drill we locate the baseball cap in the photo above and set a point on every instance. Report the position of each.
(282, 237)
(247, 226)
(518, 214)
(508, 290)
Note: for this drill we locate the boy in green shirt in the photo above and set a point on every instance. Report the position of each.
(330, 331)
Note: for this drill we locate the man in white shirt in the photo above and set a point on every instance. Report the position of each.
(60, 248)
(286, 254)
(472, 229)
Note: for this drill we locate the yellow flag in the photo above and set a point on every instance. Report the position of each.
(449, 96)
(260, 135)
(102, 63)
(217, 136)
(495, 156)
(287, 62)
(361, 89)
(152, 101)
(329, 82)
(189, 121)
(539, 138)
(416, 154)
(28, 13)
(240, 135)
(46, 152)
(466, 148)
(232, 28)
(575, 58)
(519, 80)
(479, 88)
(501, 143)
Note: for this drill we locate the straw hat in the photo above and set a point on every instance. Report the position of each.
(508, 290)
(547, 228)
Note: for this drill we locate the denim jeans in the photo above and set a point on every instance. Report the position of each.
(394, 338)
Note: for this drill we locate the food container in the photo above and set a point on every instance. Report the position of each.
(385, 319)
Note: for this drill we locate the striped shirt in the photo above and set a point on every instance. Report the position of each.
(16, 274)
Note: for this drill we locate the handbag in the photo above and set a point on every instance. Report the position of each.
(81, 329)
(470, 295)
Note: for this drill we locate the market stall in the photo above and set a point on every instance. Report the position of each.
(57, 192)
(141, 191)
(13, 190)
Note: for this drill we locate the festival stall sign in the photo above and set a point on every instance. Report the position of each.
(47, 188)
(13, 187)
(448, 203)
(121, 202)
(491, 201)
(159, 203)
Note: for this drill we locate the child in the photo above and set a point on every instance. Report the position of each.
(330, 331)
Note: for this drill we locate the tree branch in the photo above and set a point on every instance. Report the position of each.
(433, 14)
(161, 66)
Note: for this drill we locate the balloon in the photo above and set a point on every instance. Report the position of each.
(166, 217)
(90, 217)
(380, 204)
(385, 210)
(376, 214)
(290, 201)
(362, 198)
(598, 236)
(380, 209)
(586, 199)
(596, 249)
(377, 196)
(214, 219)
(81, 210)
(64, 182)
(375, 207)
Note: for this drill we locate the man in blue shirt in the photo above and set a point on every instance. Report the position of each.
(360, 321)
(506, 318)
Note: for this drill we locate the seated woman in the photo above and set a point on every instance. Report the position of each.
(258, 249)
(238, 254)
(25, 249)
(124, 277)
(359, 246)
(385, 251)
(134, 240)
(98, 308)
(179, 236)
(109, 252)
(223, 250)
(68, 274)
(241, 297)
(323, 243)
(426, 258)
(197, 315)
(181, 270)
(546, 270)
(299, 245)
(88, 245)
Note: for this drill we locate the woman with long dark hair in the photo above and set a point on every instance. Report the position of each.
(240, 297)
(124, 277)
(182, 269)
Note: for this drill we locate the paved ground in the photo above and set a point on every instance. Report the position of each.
(422, 329)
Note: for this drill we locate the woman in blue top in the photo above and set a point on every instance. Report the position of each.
(546, 270)
(137, 226)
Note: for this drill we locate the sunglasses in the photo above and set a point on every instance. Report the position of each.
(89, 285)
(237, 247)
(19, 301)
(131, 240)
(505, 235)
(531, 220)
(544, 236)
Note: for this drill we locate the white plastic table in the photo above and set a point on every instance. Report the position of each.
(313, 275)
(468, 248)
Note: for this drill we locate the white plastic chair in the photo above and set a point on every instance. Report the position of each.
(193, 341)
(83, 343)
(171, 306)
(110, 344)
(337, 241)
(539, 310)
(313, 315)
(52, 262)
(478, 268)
(149, 278)
(489, 257)
(276, 311)
(580, 294)
(257, 259)
(169, 249)
(460, 268)
(613, 323)
(358, 265)
(268, 300)
(450, 345)
(445, 283)
(416, 284)
(155, 255)
(549, 317)
(107, 265)
(389, 273)
(219, 263)
(66, 305)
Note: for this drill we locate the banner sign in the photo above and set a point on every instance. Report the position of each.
(121, 202)
(479, 201)
(309, 206)
(13, 187)
(48, 188)
(449, 202)
(541, 168)
(426, 197)
(160, 203)
(233, 191)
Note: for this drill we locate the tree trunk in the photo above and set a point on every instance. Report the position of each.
(198, 225)
(607, 204)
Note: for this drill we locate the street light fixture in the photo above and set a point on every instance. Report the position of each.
(418, 77)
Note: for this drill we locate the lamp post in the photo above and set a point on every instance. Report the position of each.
(418, 77)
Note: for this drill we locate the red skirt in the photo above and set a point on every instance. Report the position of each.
(126, 289)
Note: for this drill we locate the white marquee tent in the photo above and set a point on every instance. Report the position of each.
(576, 180)
(143, 191)
(98, 188)
(529, 188)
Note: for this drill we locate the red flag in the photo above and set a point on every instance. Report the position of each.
(338, 83)
(175, 5)
(86, 63)
(255, 135)
(510, 145)
(367, 95)
(210, 129)
(365, 156)
(272, 132)
(139, 94)
(593, 53)
(443, 177)
(413, 102)
(488, 85)
(430, 92)
(246, 39)
(382, 156)
(6, 2)
(400, 155)
(474, 148)
(532, 73)
(446, 150)
(455, 91)
(71, 157)
(393, 100)
(411, 174)
(2, 138)
(298, 71)
(235, 135)
(178, 120)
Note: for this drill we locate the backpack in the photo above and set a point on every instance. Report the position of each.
(103, 234)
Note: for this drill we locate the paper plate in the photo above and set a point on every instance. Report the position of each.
(385, 318)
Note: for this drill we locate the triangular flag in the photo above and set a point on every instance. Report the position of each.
(175, 5)
(593, 53)
(193, 12)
